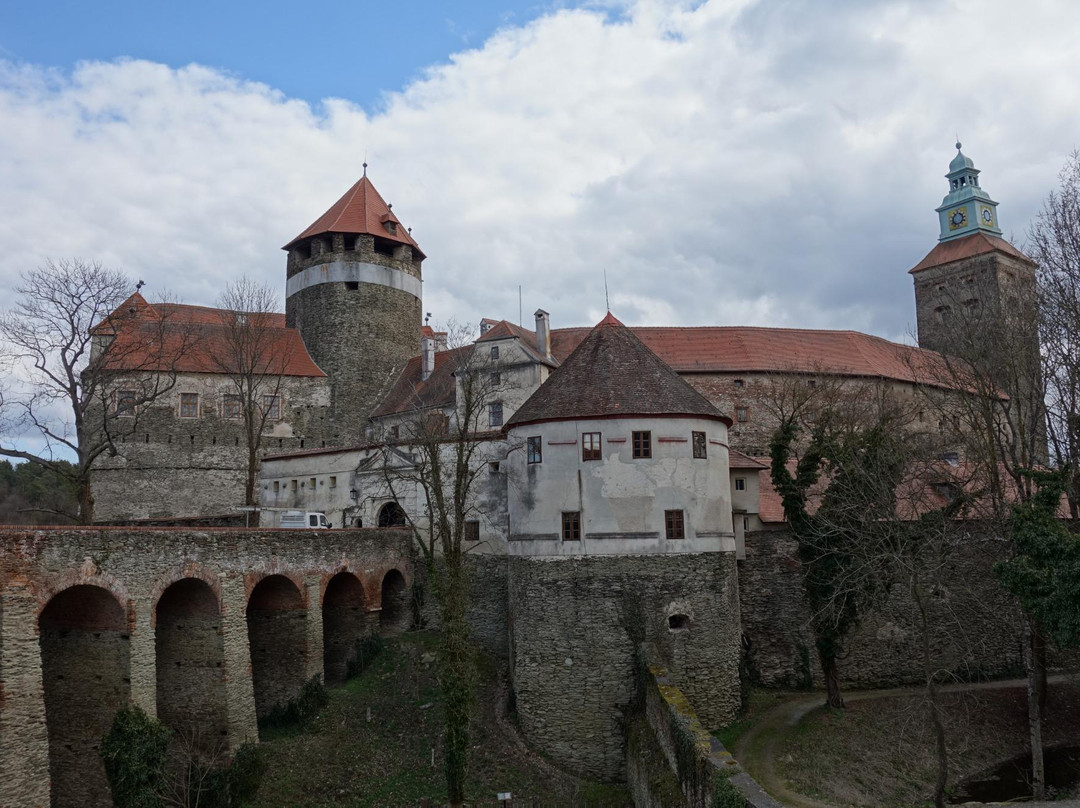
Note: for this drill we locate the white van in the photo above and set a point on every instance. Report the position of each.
(304, 519)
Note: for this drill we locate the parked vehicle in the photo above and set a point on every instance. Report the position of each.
(304, 519)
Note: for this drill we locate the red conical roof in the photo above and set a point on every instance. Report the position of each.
(360, 210)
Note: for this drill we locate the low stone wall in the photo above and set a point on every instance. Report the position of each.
(89, 615)
(672, 761)
(575, 624)
(980, 623)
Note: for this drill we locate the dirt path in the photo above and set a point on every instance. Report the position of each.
(757, 749)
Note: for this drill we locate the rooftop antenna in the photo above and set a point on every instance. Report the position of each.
(365, 162)
(520, 318)
(607, 300)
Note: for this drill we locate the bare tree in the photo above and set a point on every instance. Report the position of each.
(89, 358)
(1054, 242)
(247, 348)
(445, 457)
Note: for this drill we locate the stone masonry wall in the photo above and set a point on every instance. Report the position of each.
(575, 625)
(488, 610)
(79, 635)
(886, 650)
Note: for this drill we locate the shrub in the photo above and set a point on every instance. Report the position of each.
(135, 751)
(367, 648)
(301, 710)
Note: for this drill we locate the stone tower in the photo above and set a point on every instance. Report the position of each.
(353, 289)
(973, 273)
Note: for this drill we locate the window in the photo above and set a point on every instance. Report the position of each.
(740, 483)
(496, 378)
(642, 445)
(590, 446)
(741, 415)
(394, 432)
(493, 467)
(571, 526)
(272, 405)
(472, 531)
(312, 520)
(277, 486)
(311, 482)
(333, 482)
(125, 403)
(233, 406)
(293, 486)
(739, 383)
(189, 405)
(495, 413)
(673, 525)
(536, 449)
(678, 622)
(699, 445)
(494, 351)
(352, 286)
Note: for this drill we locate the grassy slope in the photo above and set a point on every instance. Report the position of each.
(880, 752)
(343, 760)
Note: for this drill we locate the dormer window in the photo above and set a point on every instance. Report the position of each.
(391, 228)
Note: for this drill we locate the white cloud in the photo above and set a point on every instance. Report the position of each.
(766, 163)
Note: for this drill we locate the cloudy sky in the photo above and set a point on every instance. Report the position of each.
(726, 162)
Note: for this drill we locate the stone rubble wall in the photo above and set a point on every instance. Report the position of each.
(575, 624)
(103, 665)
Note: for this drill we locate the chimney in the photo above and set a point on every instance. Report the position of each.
(485, 326)
(440, 340)
(543, 333)
(427, 357)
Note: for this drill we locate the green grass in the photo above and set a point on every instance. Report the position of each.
(342, 759)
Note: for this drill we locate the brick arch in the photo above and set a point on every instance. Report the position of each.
(345, 621)
(333, 572)
(276, 614)
(255, 577)
(87, 575)
(395, 613)
(189, 569)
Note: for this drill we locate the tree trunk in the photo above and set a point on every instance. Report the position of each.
(249, 484)
(939, 742)
(832, 681)
(455, 675)
(86, 501)
(1034, 675)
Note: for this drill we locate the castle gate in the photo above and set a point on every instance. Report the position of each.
(203, 628)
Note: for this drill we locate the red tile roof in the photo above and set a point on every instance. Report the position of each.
(410, 392)
(193, 336)
(612, 374)
(360, 210)
(747, 349)
(737, 460)
(958, 249)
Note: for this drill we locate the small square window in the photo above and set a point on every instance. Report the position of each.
(536, 449)
(495, 413)
(741, 415)
(673, 525)
(472, 531)
(189, 405)
(699, 445)
(494, 467)
(571, 526)
(272, 406)
(125, 403)
(233, 407)
(740, 483)
(642, 445)
(739, 383)
(494, 351)
(590, 446)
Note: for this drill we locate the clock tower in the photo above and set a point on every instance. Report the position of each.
(967, 208)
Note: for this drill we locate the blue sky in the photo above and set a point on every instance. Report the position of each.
(309, 50)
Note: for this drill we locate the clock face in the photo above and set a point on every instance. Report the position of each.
(957, 218)
(987, 216)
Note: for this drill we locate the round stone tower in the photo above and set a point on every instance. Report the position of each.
(353, 290)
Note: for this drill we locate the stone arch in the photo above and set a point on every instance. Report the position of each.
(187, 570)
(391, 515)
(190, 657)
(86, 673)
(277, 635)
(344, 619)
(395, 616)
